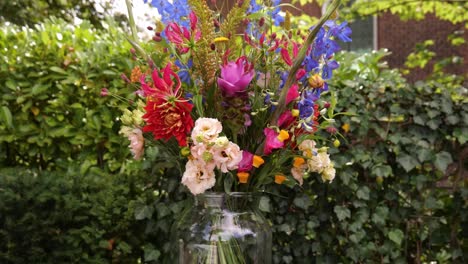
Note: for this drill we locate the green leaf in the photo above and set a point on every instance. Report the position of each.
(264, 204)
(7, 117)
(58, 70)
(152, 254)
(342, 212)
(302, 201)
(443, 159)
(407, 162)
(143, 212)
(396, 235)
(363, 193)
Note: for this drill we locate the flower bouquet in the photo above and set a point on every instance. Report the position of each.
(235, 98)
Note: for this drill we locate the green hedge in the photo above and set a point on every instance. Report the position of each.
(68, 218)
(51, 111)
(399, 195)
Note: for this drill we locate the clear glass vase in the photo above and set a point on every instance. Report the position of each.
(225, 229)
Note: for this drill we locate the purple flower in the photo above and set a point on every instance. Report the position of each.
(342, 32)
(328, 68)
(235, 77)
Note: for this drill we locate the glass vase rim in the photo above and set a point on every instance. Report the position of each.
(223, 194)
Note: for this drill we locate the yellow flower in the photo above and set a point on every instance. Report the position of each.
(279, 179)
(298, 162)
(257, 161)
(220, 39)
(283, 135)
(346, 127)
(295, 112)
(243, 176)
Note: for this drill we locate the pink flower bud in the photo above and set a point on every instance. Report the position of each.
(104, 92)
(332, 130)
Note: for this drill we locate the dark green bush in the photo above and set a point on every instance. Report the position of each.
(68, 218)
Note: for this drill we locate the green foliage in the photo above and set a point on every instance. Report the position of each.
(69, 218)
(51, 111)
(30, 12)
(453, 11)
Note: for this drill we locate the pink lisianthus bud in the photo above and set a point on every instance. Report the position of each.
(327, 105)
(104, 92)
(132, 50)
(125, 78)
(235, 77)
(272, 142)
(332, 130)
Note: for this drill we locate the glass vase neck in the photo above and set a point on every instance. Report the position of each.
(233, 201)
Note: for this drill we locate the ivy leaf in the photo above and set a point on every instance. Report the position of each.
(443, 159)
(143, 212)
(302, 202)
(407, 162)
(264, 204)
(342, 212)
(363, 193)
(396, 235)
(151, 254)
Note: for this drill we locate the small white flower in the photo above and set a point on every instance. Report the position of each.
(197, 177)
(206, 130)
(319, 162)
(328, 174)
(308, 148)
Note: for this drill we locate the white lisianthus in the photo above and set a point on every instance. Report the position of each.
(308, 148)
(228, 158)
(197, 177)
(317, 163)
(203, 155)
(328, 174)
(206, 130)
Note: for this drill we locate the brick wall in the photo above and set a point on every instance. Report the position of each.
(400, 37)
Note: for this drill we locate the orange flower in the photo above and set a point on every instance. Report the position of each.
(346, 127)
(279, 179)
(298, 162)
(136, 74)
(257, 161)
(243, 176)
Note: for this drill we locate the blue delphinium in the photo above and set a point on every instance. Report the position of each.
(177, 11)
(183, 72)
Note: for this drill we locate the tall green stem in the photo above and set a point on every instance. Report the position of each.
(131, 20)
(298, 61)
